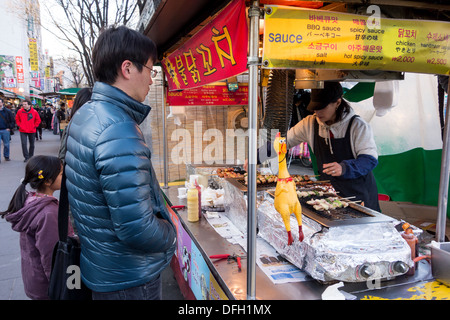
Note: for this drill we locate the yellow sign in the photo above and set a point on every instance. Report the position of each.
(312, 39)
(34, 64)
(433, 290)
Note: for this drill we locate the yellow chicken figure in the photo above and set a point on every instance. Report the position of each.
(286, 200)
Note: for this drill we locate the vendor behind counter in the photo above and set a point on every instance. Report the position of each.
(342, 143)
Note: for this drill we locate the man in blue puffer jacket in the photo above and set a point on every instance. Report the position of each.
(126, 235)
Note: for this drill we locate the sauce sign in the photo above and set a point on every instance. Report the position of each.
(311, 39)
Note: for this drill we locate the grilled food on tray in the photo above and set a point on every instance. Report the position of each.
(327, 203)
(309, 193)
(262, 179)
(231, 173)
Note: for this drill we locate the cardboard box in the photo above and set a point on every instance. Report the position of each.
(421, 216)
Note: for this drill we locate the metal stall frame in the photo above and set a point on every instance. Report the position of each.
(444, 179)
(253, 63)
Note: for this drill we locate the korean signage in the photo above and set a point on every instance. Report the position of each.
(34, 64)
(35, 77)
(19, 70)
(218, 51)
(7, 71)
(209, 95)
(299, 38)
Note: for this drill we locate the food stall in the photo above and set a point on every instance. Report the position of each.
(364, 256)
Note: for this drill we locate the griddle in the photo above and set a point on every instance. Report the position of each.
(351, 215)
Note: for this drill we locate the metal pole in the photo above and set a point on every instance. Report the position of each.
(253, 60)
(444, 180)
(163, 81)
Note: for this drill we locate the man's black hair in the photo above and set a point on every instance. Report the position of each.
(117, 44)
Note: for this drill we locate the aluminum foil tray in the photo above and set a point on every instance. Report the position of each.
(349, 253)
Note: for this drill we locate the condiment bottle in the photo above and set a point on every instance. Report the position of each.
(412, 241)
(199, 189)
(192, 203)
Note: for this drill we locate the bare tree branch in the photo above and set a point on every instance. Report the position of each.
(83, 20)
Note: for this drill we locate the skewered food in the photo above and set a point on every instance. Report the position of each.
(327, 203)
(270, 178)
(309, 193)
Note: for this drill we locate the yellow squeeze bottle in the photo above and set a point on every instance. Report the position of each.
(192, 203)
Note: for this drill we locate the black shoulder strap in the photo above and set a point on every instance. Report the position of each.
(63, 209)
(347, 133)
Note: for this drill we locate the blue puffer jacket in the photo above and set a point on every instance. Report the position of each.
(127, 237)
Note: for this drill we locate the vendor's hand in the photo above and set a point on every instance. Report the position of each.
(333, 169)
(246, 165)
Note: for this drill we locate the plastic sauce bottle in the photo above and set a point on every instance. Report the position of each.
(199, 189)
(192, 203)
(412, 241)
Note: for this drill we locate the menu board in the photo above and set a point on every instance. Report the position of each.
(311, 39)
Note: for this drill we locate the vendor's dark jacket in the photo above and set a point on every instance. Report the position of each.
(126, 235)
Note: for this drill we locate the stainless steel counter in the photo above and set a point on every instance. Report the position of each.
(234, 283)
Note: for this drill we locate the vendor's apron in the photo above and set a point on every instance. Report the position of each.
(363, 188)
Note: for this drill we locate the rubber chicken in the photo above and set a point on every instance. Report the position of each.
(286, 200)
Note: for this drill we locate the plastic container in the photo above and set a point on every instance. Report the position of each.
(440, 262)
(192, 204)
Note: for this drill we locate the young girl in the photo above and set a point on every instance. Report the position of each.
(35, 215)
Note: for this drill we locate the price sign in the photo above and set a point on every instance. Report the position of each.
(311, 39)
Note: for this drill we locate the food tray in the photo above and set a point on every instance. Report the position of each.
(353, 214)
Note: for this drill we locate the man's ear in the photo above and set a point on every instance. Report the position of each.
(126, 69)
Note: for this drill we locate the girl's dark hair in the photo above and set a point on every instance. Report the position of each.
(83, 96)
(50, 167)
(114, 46)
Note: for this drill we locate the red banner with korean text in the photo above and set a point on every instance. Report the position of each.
(216, 95)
(19, 70)
(218, 51)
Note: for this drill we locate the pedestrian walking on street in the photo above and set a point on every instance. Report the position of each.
(48, 116)
(41, 112)
(61, 117)
(126, 234)
(6, 125)
(35, 215)
(55, 123)
(27, 120)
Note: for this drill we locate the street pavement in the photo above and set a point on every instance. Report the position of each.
(11, 285)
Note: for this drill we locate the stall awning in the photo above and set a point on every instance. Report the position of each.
(69, 91)
(49, 95)
(36, 96)
(7, 94)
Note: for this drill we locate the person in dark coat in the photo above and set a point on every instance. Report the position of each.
(125, 230)
(6, 126)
